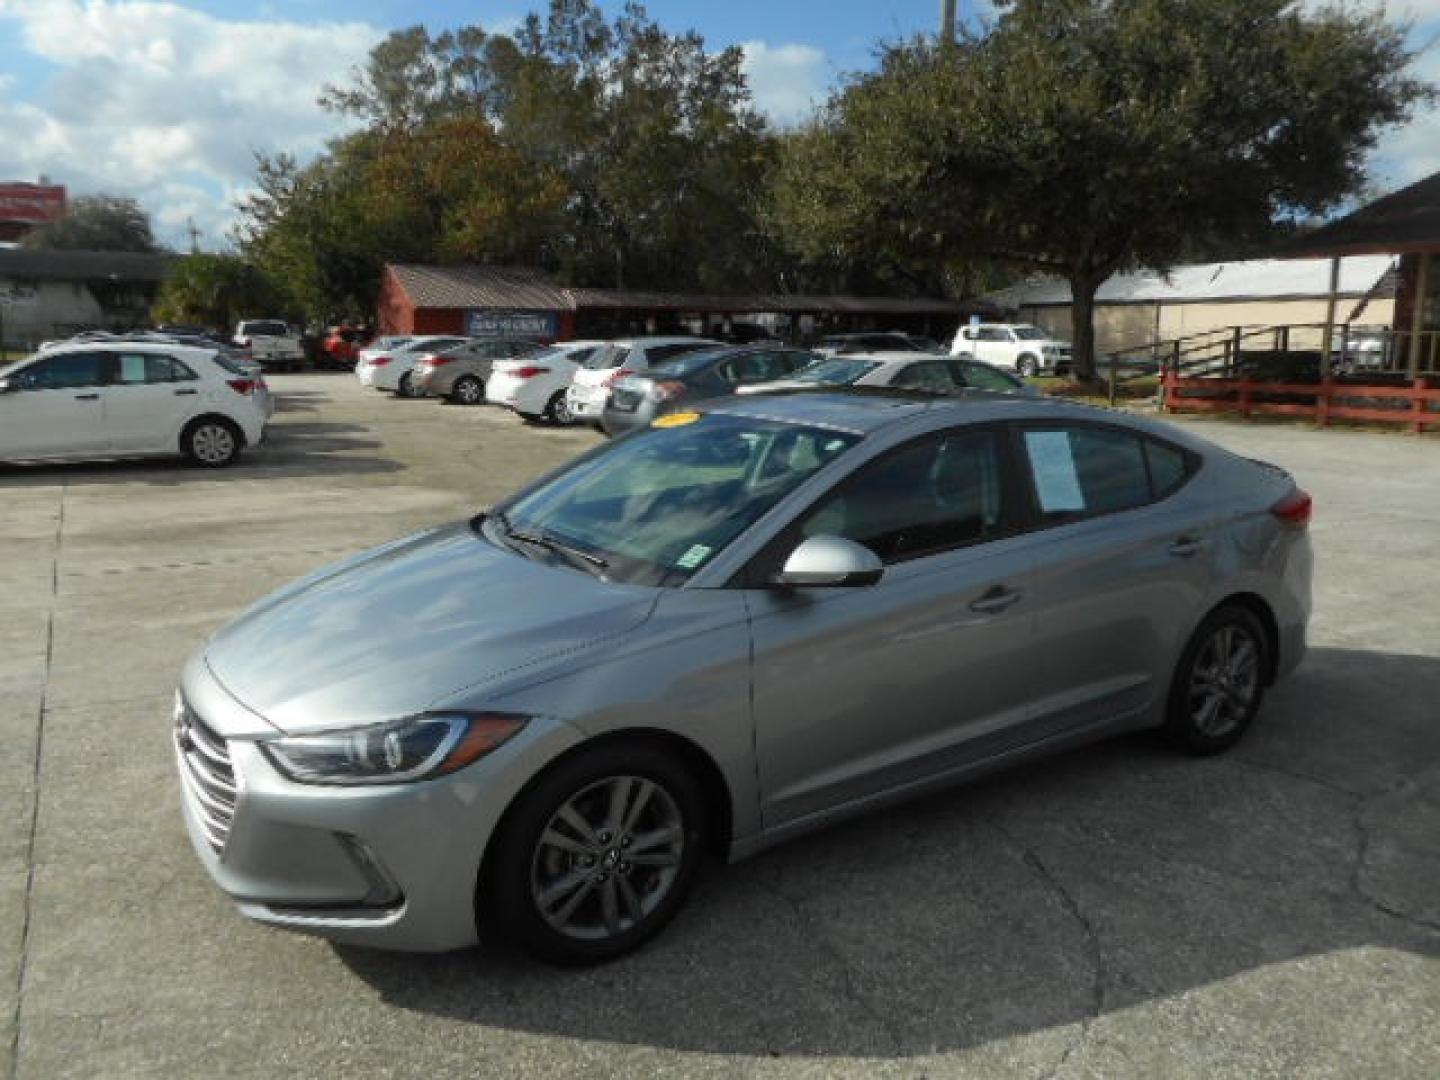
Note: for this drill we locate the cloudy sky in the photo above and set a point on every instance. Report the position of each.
(169, 101)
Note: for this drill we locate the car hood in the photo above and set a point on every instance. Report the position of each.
(405, 627)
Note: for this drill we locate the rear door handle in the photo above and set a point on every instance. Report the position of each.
(184, 393)
(87, 397)
(995, 600)
(1185, 547)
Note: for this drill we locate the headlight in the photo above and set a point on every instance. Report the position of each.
(416, 748)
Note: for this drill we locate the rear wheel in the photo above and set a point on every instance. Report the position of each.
(557, 409)
(467, 390)
(1027, 366)
(1219, 682)
(212, 442)
(406, 387)
(598, 855)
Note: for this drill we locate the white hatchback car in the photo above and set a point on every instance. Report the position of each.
(591, 386)
(129, 399)
(391, 369)
(536, 386)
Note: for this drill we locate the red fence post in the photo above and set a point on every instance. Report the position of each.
(1417, 406)
(1322, 401)
(1245, 398)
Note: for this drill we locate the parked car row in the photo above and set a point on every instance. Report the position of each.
(622, 385)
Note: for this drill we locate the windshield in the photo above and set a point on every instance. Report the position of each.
(656, 506)
(1030, 333)
(836, 372)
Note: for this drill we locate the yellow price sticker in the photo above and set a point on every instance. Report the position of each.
(678, 419)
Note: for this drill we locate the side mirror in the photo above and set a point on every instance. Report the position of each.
(830, 561)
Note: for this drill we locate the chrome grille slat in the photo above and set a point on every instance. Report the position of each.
(208, 774)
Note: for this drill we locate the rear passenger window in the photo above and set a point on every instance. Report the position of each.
(1168, 467)
(1087, 471)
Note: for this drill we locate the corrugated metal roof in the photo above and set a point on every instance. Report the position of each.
(84, 265)
(1405, 220)
(510, 288)
(1253, 279)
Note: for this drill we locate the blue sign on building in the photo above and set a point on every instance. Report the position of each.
(527, 324)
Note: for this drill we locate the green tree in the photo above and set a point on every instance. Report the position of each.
(215, 291)
(609, 151)
(1086, 137)
(96, 223)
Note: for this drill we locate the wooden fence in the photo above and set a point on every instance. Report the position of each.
(1322, 402)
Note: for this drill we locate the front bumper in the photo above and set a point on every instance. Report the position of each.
(393, 866)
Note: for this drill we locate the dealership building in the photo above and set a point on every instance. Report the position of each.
(494, 301)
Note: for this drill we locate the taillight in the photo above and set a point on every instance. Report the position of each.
(529, 372)
(437, 361)
(380, 361)
(242, 386)
(1295, 509)
(618, 373)
(664, 391)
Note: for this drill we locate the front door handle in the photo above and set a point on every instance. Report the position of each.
(1186, 547)
(995, 600)
(186, 393)
(87, 397)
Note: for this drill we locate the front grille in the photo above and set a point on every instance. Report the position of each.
(207, 773)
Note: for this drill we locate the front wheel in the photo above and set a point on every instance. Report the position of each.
(212, 442)
(599, 855)
(1219, 682)
(406, 387)
(1027, 366)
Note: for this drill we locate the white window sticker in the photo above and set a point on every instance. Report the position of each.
(1052, 463)
(693, 558)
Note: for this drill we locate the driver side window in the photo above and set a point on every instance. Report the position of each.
(934, 495)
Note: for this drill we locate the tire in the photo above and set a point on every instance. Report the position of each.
(406, 386)
(613, 904)
(467, 390)
(557, 410)
(1219, 682)
(1027, 366)
(212, 442)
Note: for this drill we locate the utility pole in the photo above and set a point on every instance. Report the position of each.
(194, 235)
(947, 21)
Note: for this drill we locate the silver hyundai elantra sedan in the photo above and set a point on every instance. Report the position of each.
(714, 634)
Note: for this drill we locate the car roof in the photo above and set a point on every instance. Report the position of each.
(863, 410)
(677, 339)
(167, 348)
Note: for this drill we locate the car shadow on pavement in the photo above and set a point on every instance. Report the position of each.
(290, 450)
(1048, 896)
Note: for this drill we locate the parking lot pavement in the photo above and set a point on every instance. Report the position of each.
(1114, 912)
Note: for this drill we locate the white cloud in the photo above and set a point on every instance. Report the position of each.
(166, 104)
(787, 81)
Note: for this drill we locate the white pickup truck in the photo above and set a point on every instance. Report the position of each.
(273, 344)
(1018, 347)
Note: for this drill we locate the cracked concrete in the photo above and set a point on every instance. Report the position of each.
(1118, 911)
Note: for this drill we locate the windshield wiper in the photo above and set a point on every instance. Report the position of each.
(586, 561)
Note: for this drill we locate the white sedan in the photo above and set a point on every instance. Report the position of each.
(535, 386)
(128, 399)
(391, 369)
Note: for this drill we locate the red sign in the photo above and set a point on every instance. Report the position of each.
(32, 204)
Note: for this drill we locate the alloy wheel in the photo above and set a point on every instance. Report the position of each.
(468, 392)
(1224, 681)
(607, 858)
